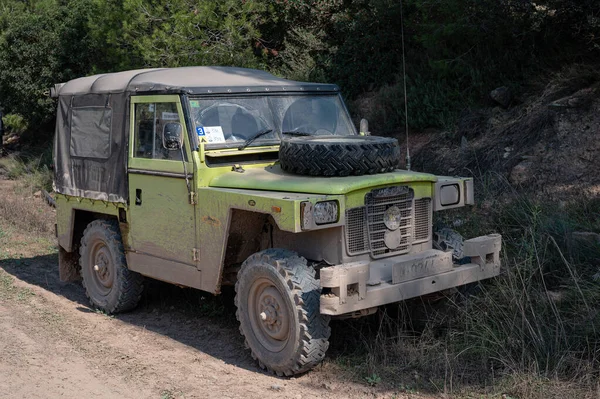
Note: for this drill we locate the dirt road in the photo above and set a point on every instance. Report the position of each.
(176, 344)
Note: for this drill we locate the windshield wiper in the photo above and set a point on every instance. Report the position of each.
(298, 133)
(254, 137)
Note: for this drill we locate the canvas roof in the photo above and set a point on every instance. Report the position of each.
(191, 80)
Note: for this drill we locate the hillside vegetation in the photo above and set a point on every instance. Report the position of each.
(457, 51)
(533, 332)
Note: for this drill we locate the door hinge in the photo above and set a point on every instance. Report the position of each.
(193, 198)
(238, 168)
(195, 255)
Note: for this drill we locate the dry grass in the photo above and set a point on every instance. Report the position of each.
(32, 172)
(530, 333)
(26, 174)
(25, 212)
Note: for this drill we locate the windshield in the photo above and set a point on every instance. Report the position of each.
(229, 122)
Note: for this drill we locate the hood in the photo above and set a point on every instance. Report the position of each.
(272, 178)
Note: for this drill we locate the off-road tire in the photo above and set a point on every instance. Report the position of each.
(114, 288)
(339, 155)
(446, 238)
(285, 279)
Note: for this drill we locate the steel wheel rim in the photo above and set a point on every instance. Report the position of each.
(102, 268)
(269, 315)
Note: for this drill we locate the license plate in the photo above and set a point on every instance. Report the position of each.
(422, 266)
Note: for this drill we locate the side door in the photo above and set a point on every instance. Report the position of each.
(162, 225)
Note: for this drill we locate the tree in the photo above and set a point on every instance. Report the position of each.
(41, 44)
(184, 32)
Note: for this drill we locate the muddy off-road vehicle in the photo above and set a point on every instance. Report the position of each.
(212, 176)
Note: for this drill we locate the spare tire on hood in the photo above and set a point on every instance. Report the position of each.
(339, 155)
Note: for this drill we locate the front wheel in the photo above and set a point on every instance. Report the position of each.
(109, 284)
(277, 299)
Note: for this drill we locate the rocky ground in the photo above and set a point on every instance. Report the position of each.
(544, 143)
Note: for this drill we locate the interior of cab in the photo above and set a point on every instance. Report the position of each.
(237, 122)
(311, 115)
(240, 119)
(149, 126)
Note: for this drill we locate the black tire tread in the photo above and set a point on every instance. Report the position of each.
(447, 238)
(130, 284)
(305, 290)
(314, 156)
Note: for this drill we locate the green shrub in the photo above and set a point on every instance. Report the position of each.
(42, 43)
(15, 123)
(430, 103)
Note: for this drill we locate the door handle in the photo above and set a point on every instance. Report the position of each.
(138, 196)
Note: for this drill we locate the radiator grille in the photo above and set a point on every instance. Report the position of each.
(422, 219)
(357, 239)
(365, 230)
(376, 203)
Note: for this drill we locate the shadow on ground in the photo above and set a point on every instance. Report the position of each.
(196, 319)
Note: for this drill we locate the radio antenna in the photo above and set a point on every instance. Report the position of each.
(405, 94)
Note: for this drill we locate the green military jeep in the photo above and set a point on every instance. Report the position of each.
(212, 176)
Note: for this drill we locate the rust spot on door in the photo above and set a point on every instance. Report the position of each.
(211, 221)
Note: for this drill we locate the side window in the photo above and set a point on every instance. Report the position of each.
(90, 132)
(150, 120)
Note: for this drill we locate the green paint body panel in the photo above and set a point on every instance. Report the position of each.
(66, 207)
(162, 221)
(274, 179)
(164, 210)
(170, 238)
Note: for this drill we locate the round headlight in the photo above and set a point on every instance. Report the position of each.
(392, 239)
(392, 217)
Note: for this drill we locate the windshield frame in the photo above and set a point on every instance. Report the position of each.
(259, 142)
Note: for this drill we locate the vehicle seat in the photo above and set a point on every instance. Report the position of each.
(243, 124)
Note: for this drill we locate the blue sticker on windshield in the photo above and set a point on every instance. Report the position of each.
(200, 131)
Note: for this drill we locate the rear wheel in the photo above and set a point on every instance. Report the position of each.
(109, 284)
(277, 299)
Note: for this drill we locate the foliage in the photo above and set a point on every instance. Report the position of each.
(186, 32)
(456, 50)
(14, 123)
(32, 171)
(41, 43)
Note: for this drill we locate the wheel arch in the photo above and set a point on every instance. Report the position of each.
(245, 235)
(69, 241)
(78, 221)
(250, 232)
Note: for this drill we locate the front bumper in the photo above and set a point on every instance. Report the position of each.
(359, 286)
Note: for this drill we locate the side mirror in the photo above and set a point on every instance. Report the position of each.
(172, 138)
(364, 127)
